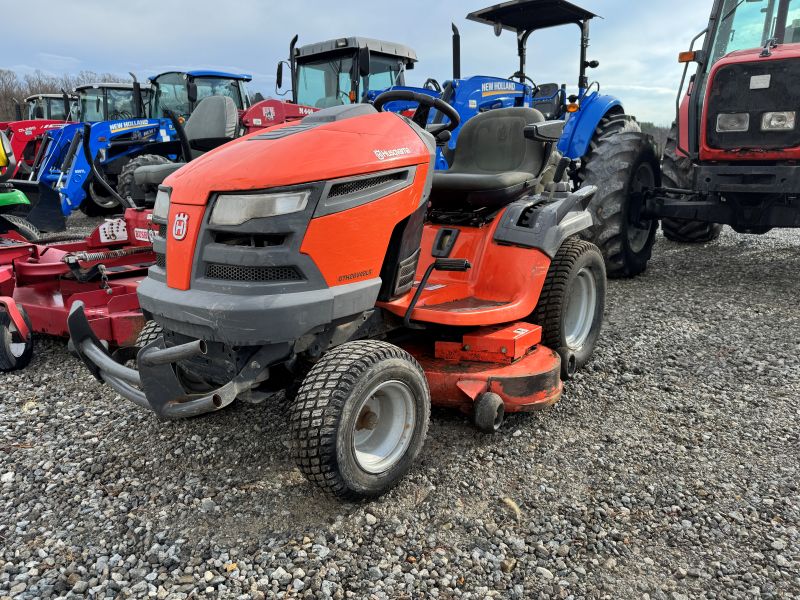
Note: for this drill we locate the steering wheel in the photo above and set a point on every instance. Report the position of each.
(121, 114)
(426, 103)
(432, 84)
(529, 80)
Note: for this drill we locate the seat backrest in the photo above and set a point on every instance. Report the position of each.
(494, 142)
(548, 100)
(213, 118)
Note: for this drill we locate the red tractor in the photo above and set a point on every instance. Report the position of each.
(43, 112)
(731, 158)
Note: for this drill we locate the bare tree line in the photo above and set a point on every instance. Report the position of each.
(18, 87)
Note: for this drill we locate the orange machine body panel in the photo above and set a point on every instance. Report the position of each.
(328, 151)
(350, 246)
(508, 361)
(502, 286)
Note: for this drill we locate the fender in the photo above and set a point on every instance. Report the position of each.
(581, 125)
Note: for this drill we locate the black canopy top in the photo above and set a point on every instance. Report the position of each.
(528, 15)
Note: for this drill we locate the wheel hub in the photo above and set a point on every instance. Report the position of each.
(639, 229)
(581, 307)
(384, 427)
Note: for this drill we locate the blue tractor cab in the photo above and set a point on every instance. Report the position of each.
(344, 70)
(603, 145)
(179, 92)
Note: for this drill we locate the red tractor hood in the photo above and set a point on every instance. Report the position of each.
(753, 64)
(302, 152)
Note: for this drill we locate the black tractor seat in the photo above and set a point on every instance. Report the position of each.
(493, 163)
(215, 121)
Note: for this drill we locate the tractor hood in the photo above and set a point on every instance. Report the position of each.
(323, 146)
(754, 84)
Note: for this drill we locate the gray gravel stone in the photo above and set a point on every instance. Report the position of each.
(675, 451)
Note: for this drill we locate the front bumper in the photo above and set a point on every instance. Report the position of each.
(154, 384)
(746, 197)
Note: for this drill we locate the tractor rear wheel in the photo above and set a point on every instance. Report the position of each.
(676, 171)
(126, 184)
(23, 227)
(15, 353)
(360, 419)
(621, 162)
(572, 303)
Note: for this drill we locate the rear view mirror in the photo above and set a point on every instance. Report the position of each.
(191, 91)
(364, 59)
(547, 132)
(279, 76)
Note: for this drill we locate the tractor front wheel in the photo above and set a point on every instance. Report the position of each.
(621, 163)
(360, 419)
(15, 352)
(99, 203)
(676, 171)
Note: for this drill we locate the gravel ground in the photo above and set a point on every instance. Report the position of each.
(668, 470)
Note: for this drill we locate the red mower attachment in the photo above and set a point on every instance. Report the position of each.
(41, 280)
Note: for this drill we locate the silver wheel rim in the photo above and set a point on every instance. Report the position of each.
(639, 233)
(17, 349)
(581, 306)
(384, 427)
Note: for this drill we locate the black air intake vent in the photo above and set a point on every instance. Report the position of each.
(257, 274)
(361, 185)
(161, 261)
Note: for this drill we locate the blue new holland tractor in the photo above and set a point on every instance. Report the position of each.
(89, 165)
(605, 145)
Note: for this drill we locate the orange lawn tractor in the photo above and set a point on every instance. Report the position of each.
(328, 258)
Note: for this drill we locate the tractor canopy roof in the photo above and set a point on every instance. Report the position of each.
(520, 16)
(207, 73)
(43, 96)
(356, 43)
(109, 86)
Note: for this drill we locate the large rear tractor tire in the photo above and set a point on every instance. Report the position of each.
(621, 162)
(676, 172)
(23, 227)
(15, 353)
(126, 184)
(360, 419)
(572, 303)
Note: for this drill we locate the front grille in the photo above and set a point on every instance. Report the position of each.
(731, 93)
(258, 274)
(360, 185)
(162, 230)
(161, 261)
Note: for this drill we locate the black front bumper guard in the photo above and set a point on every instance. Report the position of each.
(154, 385)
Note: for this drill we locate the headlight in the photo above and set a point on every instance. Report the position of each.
(161, 208)
(733, 122)
(778, 121)
(236, 209)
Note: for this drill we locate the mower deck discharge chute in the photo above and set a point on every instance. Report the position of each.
(365, 284)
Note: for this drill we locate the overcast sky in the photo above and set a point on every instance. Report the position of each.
(636, 42)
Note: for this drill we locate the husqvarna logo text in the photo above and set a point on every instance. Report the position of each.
(181, 226)
(389, 154)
